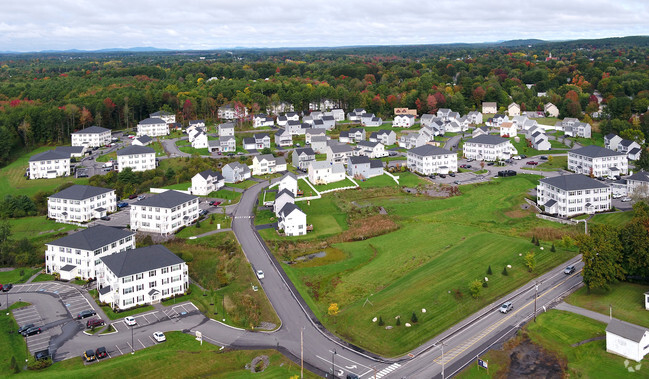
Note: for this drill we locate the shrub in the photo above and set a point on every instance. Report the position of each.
(413, 318)
(505, 271)
(533, 239)
(381, 323)
(474, 288)
(530, 261)
(198, 224)
(538, 243)
(553, 249)
(458, 294)
(398, 321)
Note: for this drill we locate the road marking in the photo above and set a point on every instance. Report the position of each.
(138, 340)
(387, 370)
(453, 353)
(129, 345)
(120, 350)
(152, 340)
(354, 362)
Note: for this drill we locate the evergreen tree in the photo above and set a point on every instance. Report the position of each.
(413, 318)
(505, 271)
(489, 272)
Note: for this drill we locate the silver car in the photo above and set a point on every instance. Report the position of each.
(506, 307)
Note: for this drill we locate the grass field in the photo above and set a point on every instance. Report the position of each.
(231, 197)
(522, 148)
(627, 300)
(186, 147)
(377, 181)
(616, 219)
(437, 249)
(107, 157)
(552, 164)
(243, 185)
(595, 139)
(179, 356)
(14, 276)
(12, 181)
(206, 225)
(43, 278)
(556, 332)
(334, 185)
(180, 186)
(37, 228)
(12, 344)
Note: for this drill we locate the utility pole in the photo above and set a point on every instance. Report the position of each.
(302, 353)
(610, 311)
(536, 292)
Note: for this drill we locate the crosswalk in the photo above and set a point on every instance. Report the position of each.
(387, 370)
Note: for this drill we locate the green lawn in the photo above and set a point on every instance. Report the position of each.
(37, 228)
(265, 216)
(13, 182)
(306, 189)
(595, 139)
(409, 179)
(378, 181)
(206, 225)
(43, 278)
(180, 186)
(617, 218)
(243, 185)
(437, 249)
(552, 164)
(107, 157)
(14, 276)
(157, 146)
(230, 197)
(522, 148)
(557, 332)
(180, 356)
(268, 196)
(547, 120)
(12, 344)
(342, 183)
(556, 145)
(627, 300)
(116, 315)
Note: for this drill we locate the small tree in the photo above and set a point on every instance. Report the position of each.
(530, 261)
(537, 243)
(12, 364)
(398, 321)
(413, 318)
(333, 309)
(474, 288)
(552, 249)
(381, 323)
(489, 272)
(505, 271)
(533, 239)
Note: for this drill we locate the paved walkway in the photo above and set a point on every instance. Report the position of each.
(563, 306)
(33, 277)
(213, 232)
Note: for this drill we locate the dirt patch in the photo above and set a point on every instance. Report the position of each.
(259, 364)
(550, 234)
(367, 227)
(517, 213)
(528, 360)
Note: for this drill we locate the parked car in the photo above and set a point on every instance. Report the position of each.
(260, 274)
(89, 355)
(506, 307)
(86, 313)
(392, 153)
(451, 174)
(532, 163)
(24, 328)
(490, 163)
(626, 199)
(101, 352)
(442, 176)
(543, 158)
(141, 197)
(42, 355)
(105, 218)
(569, 270)
(134, 196)
(130, 320)
(523, 156)
(159, 336)
(1, 288)
(31, 331)
(517, 157)
(123, 204)
(203, 212)
(94, 322)
(506, 173)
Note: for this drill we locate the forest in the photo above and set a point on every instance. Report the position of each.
(45, 97)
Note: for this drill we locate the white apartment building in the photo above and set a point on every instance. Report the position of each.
(94, 136)
(79, 254)
(164, 213)
(138, 158)
(152, 127)
(597, 161)
(261, 120)
(167, 117)
(206, 182)
(489, 148)
(49, 164)
(141, 276)
(429, 159)
(80, 203)
(570, 195)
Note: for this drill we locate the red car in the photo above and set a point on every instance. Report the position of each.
(532, 163)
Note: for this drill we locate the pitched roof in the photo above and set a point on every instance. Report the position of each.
(160, 113)
(166, 199)
(144, 259)
(369, 144)
(261, 135)
(641, 176)
(92, 238)
(283, 192)
(487, 139)
(626, 330)
(207, 173)
(573, 182)
(429, 150)
(80, 192)
(340, 148)
(318, 139)
(92, 130)
(144, 139)
(135, 149)
(49, 155)
(361, 159)
(305, 150)
(376, 163)
(320, 165)
(594, 151)
(289, 208)
(151, 121)
(70, 149)
(227, 125)
(237, 166)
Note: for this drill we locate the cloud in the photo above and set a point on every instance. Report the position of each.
(30, 25)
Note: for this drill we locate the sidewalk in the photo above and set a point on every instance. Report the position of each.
(563, 306)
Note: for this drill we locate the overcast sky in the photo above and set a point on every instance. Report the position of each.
(34, 25)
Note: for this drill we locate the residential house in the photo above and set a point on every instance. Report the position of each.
(288, 182)
(362, 167)
(72, 151)
(283, 138)
(164, 213)
(78, 254)
(551, 110)
(152, 127)
(283, 197)
(319, 144)
(262, 141)
(142, 141)
(497, 119)
(370, 149)
(235, 172)
(267, 164)
(199, 140)
(303, 157)
(296, 127)
(371, 120)
(356, 114)
(489, 148)
(428, 159)
(508, 129)
(167, 117)
(570, 195)
(228, 144)
(541, 144)
(226, 129)
(310, 133)
(356, 134)
(513, 109)
(338, 153)
(141, 276)
(474, 117)
(261, 120)
(292, 220)
(427, 119)
(280, 108)
(49, 164)
(193, 124)
(326, 122)
(489, 107)
(627, 340)
(325, 172)
(481, 130)
(597, 161)
(232, 112)
(206, 182)
(81, 203)
(337, 114)
(579, 129)
(138, 158)
(249, 143)
(444, 114)
(403, 121)
(631, 148)
(639, 181)
(611, 141)
(94, 136)
(386, 137)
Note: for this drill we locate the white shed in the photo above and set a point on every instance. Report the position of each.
(628, 340)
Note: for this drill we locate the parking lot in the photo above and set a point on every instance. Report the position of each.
(72, 298)
(30, 315)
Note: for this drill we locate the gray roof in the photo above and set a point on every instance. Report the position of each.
(573, 182)
(356, 130)
(68, 268)
(594, 151)
(305, 150)
(104, 290)
(318, 139)
(70, 149)
(641, 176)
(289, 208)
(634, 151)
(285, 191)
(315, 131)
(341, 148)
(550, 203)
(281, 131)
(80, 192)
(368, 144)
(144, 259)
(626, 142)
(207, 173)
(327, 118)
(227, 125)
(376, 163)
(429, 150)
(151, 120)
(317, 165)
(167, 199)
(249, 140)
(361, 159)
(261, 136)
(160, 113)
(135, 149)
(92, 130)
(144, 139)
(626, 330)
(488, 139)
(49, 155)
(388, 132)
(92, 238)
(191, 122)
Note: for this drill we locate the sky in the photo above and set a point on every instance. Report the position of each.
(35, 25)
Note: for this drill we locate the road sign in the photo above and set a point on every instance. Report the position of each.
(483, 364)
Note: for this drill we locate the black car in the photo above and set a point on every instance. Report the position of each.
(7, 287)
(523, 156)
(31, 331)
(442, 176)
(451, 174)
(101, 352)
(24, 328)
(543, 158)
(490, 163)
(105, 218)
(84, 314)
(42, 355)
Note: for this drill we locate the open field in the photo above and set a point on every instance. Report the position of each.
(244, 185)
(627, 300)
(37, 228)
(231, 197)
(14, 276)
(180, 186)
(12, 344)
(427, 263)
(186, 147)
(206, 224)
(552, 164)
(334, 185)
(616, 219)
(556, 332)
(522, 147)
(107, 157)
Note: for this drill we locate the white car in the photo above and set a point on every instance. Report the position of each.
(260, 274)
(130, 320)
(517, 157)
(159, 336)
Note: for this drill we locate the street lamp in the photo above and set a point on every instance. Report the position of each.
(333, 366)
(536, 292)
(132, 344)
